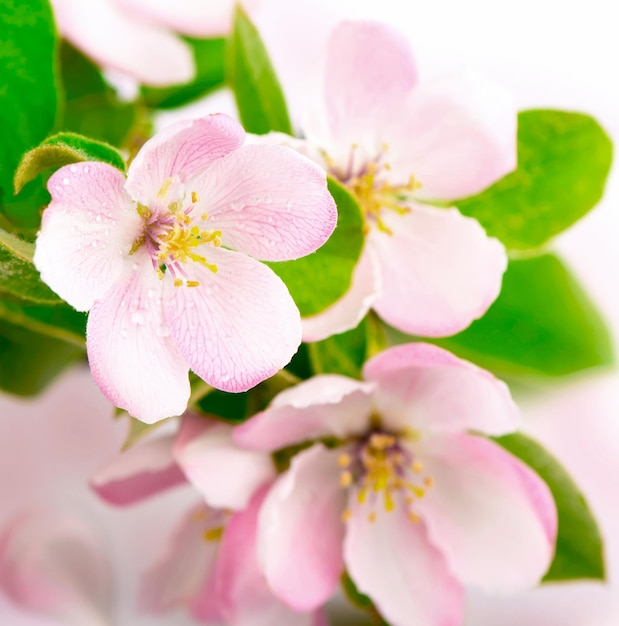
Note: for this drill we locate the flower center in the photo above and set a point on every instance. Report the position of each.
(384, 471)
(172, 238)
(369, 184)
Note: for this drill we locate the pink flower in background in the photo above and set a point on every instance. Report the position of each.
(408, 501)
(165, 260)
(54, 565)
(135, 36)
(396, 144)
(209, 567)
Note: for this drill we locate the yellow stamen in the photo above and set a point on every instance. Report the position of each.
(213, 534)
(346, 479)
(195, 197)
(417, 466)
(178, 282)
(193, 283)
(344, 460)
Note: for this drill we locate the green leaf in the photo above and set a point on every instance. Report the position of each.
(59, 322)
(28, 100)
(18, 276)
(316, 281)
(542, 323)
(579, 552)
(209, 55)
(259, 96)
(340, 354)
(563, 162)
(92, 108)
(29, 361)
(62, 149)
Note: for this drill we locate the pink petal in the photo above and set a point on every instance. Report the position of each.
(456, 136)
(368, 70)
(300, 532)
(239, 326)
(392, 561)
(54, 565)
(352, 307)
(132, 357)
(268, 201)
(139, 472)
(439, 270)
(182, 151)
(492, 516)
(183, 575)
(143, 50)
(226, 475)
(245, 597)
(196, 18)
(430, 390)
(87, 232)
(322, 406)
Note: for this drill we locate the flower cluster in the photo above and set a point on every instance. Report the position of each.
(323, 444)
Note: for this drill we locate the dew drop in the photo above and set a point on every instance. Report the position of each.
(87, 169)
(123, 333)
(73, 230)
(137, 318)
(73, 169)
(225, 377)
(95, 243)
(98, 218)
(66, 181)
(151, 293)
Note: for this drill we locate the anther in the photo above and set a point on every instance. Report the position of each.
(346, 479)
(178, 282)
(195, 197)
(344, 460)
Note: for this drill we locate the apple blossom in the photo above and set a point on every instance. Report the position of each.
(165, 260)
(54, 565)
(209, 566)
(409, 501)
(136, 36)
(397, 144)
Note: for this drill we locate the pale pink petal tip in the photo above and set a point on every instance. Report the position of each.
(86, 232)
(141, 471)
(439, 270)
(432, 390)
(499, 533)
(322, 406)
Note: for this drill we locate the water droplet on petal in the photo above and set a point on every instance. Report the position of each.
(137, 318)
(151, 293)
(98, 218)
(66, 181)
(123, 333)
(87, 169)
(73, 230)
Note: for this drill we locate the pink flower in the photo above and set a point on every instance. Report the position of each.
(134, 36)
(409, 501)
(54, 565)
(209, 566)
(166, 260)
(397, 144)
